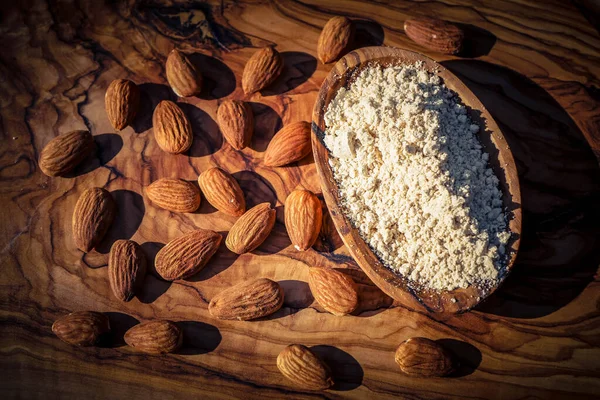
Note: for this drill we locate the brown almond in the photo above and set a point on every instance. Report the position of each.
(251, 229)
(335, 39)
(303, 367)
(247, 300)
(63, 153)
(334, 291)
(185, 256)
(154, 337)
(236, 122)
(122, 101)
(303, 218)
(261, 70)
(174, 195)
(93, 215)
(435, 34)
(172, 129)
(182, 75)
(81, 328)
(290, 144)
(420, 356)
(222, 191)
(126, 269)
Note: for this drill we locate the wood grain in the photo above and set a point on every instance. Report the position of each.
(537, 73)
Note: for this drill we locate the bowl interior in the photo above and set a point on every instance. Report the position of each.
(491, 138)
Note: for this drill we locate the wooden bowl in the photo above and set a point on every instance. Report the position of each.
(491, 138)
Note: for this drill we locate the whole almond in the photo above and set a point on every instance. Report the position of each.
(261, 70)
(182, 75)
(303, 218)
(93, 214)
(251, 229)
(334, 291)
(247, 300)
(236, 122)
(187, 255)
(126, 269)
(335, 39)
(174, 195)
(303, 367)
(63, 153)
(122, 101)
(423, 357)
(81, 328)
(222, 191)
(435, 34)
(291, 143)
(154, 337)
(172, 129)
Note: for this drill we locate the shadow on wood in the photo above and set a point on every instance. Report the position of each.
(466, 356)
(218, 80)
(150, 95)
(198, 337)
(346, 370)
(108, 146)
(119, 324)
(478, 42)
(256, 188)
(130, 212)
(154, 286)
(266, 123)
(207, 136)
(298, 67)
(222, 260)
(366, 33)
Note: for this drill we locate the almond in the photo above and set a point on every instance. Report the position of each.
(63, 153)
(261, 70)
(423, 357)
(154, 337)
(126, 268)
(303, 217)
(335, 39)
(303, 367)
(291, 143)
(222, 191)
(182, 75)
(435, 34)
(251, 229)
(172, 129)
(174, 195)
(236, 122)
(187, 255)
(93, 214)
(247, 300)
(81, 328)
(333, 290)
(122, 101)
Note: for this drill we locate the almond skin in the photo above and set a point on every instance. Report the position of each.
(222, 191)
(333, 290)
(303, 218)
(154, 337)
(236, 122)
(126, 269)
(303, 367)
(251, 229)
(63, 153)
(93, 214)
(247, 300)
(435, 34)
(335, 39)
(122, 101)
(174, 195)
(290, 144)
(261, 70)
(172, 129)
(420, 356)
(185, 256)
(182, 75)
(81, 328)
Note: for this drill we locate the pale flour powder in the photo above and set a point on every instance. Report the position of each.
(414, 179)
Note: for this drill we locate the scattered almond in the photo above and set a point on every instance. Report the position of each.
(185, 256)
(81, 328)
(423, 357)
(236, 122)
(63, 153)
(222, 191)
(435, 34)
(182, 75)
(335, 39)
(174, 195)
(303, 367)
(247, 300)
(154, 337)
(303, 217)
(126, 269)
(334, 291)
(172, 129)
(93, 214)
(121, 101)
(251, 229)
(261, 70)
(291, 143)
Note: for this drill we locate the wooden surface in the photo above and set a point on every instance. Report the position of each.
(537, 73)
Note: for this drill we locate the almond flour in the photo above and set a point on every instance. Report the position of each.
(414, 180)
